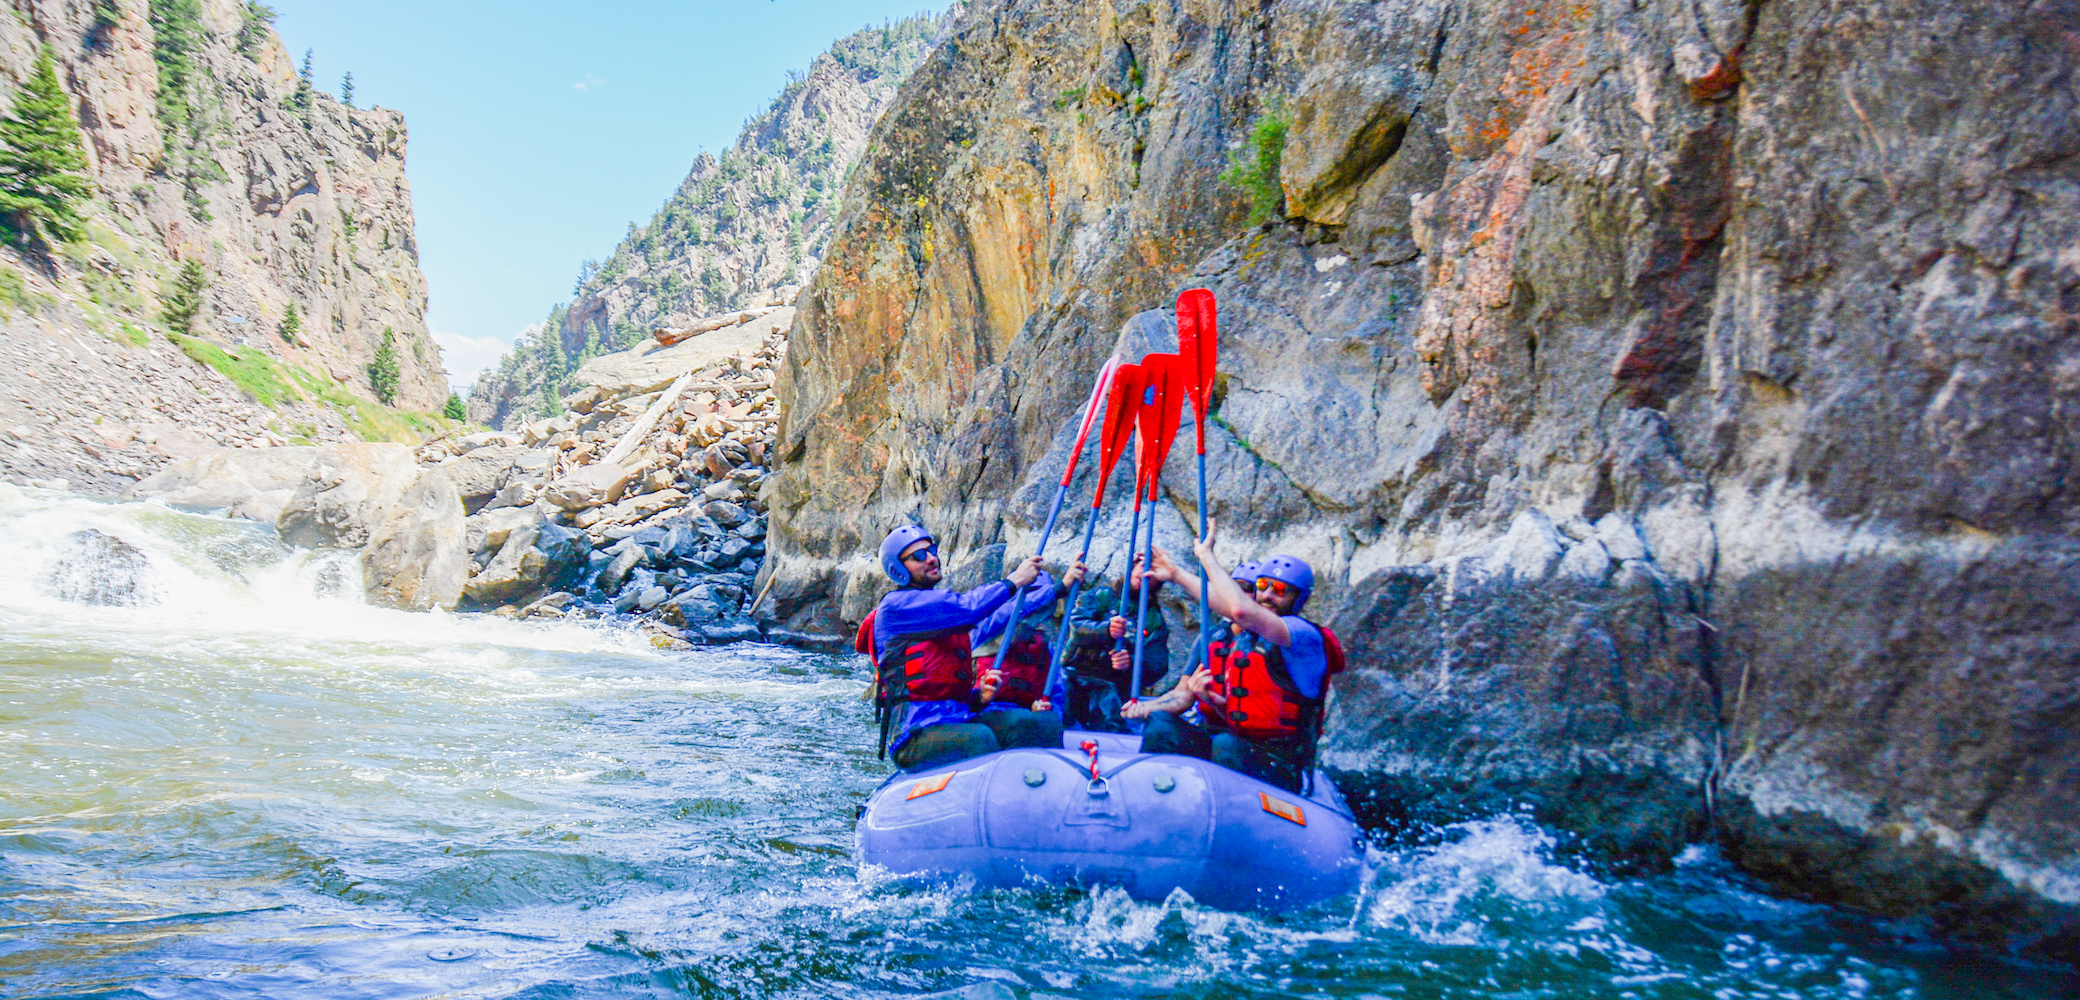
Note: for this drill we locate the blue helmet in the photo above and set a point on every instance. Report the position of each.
(1294, 572)
(892, 551)
(1245, 574)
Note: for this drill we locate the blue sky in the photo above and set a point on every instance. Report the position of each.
(540, 130)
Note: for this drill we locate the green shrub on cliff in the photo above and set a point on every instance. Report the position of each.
(292, 324)
(1254, 167)
(43, 164)
(383, 371)
(181, 300)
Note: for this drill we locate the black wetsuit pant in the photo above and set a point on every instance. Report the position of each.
(1272, 761)
(998, 729)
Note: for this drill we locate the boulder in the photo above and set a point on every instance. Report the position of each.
(616, 573)
(591, 486)
(479, 474)
(629, 373)
(92, 567)
(418, 556)
(652, 597)
(346, 493)
(691, 608)
(815, 642)
(725, 514)
(722, 633)
(534, 557)
(253, 483)
(532, 466)
(489, 529)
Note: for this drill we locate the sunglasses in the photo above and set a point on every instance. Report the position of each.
(919, 556)
(1279, 587)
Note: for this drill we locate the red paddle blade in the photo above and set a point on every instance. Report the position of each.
(1162, 402)
(1198, 341)
(1090, 415)
(1120, 405)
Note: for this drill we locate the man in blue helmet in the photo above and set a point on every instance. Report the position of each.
(922, 639)
(1261, 697)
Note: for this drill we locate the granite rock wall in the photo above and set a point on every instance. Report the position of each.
(1675, 397)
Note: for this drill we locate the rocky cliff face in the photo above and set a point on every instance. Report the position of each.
(740, 225)
(285, 197)
(1674, 398)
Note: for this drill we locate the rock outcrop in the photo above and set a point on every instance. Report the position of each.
(1673, 398)
(206, 149)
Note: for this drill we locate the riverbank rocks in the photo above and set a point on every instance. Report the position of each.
(531, 557)
(674, 527)
(255, 483)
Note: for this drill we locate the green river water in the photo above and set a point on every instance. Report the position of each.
(250, 786)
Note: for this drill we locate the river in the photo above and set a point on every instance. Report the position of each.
(252, 785)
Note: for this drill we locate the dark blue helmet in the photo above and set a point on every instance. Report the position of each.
(1294, 573)
(892, 551)
(1245, 574)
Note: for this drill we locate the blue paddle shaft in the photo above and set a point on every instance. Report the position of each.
(1061, 641)
(1017, 599)
(1133, 535)
(1141, 615)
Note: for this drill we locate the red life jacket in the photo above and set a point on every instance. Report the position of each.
(1024, 671)
(1263, 701)
(925, 666)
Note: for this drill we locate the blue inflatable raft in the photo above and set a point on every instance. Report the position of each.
(1149, 823)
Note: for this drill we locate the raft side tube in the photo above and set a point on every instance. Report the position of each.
(1151, 823)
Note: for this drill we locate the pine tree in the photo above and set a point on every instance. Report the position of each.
(252, 30)
(454, 410)
(301, 100)
(346, 89)
(383, 372)
(292, 324)
(42, 162)
(182, 300)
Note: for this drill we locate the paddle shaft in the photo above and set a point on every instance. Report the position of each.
(1141, 614)
(1018, 598)
(1205, 610)
(1061, 641)
(1133, 535)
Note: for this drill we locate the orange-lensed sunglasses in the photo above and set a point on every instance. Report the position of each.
(1279, 587)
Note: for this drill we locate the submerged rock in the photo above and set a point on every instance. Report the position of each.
(93, 567)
